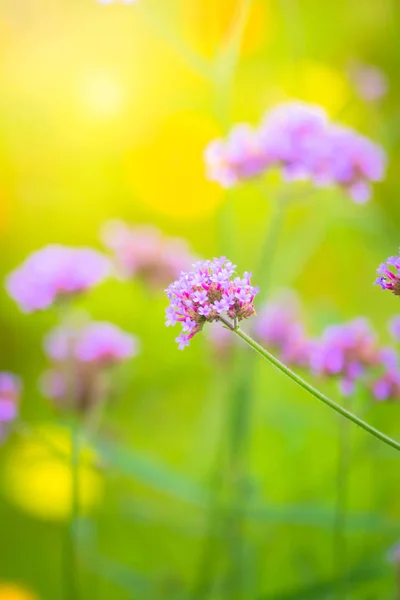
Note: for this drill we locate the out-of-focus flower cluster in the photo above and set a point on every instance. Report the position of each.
(146, 253)
(298, 139)
(55, 272)
(81, 359)
(10, 391)
(208, 293)
(349, 352)
(370, 82)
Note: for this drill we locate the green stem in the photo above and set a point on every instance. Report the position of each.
(339, 542)
(72, 587)
(312, 390)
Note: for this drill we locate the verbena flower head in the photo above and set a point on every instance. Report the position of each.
(97, 342)
(347, 159)
(394, 327)
(279, 327)
(207, 293)
(144, 252)
(55, 272)
(81, 360)
(298, 138)
(10, 390)
(389, 275)
(393, 555)
(387, 385)
(345, 351)
(370, 81)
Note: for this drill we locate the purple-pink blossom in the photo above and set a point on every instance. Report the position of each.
(394, 327)
(389, 275)
(145, 252)
(101, 343)
(279, 327)
(226, 296)
(10, 390)
(81, 359)
(55, 272)
(386, 386)
(371, 82)
(346, 351)
(298, 139)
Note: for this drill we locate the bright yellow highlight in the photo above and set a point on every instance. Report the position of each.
(102, 96)
(168, 171)
(321, 84)
(37, 475)
(11, 591)
(210, 22)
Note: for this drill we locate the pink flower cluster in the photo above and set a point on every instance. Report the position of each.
(206, 294)
(279, 327)
(55, 272)
(144, 252)
(97, 342)
(389, 275)
(10, 390)
(346, 351)
(81, 360)
(371, 82)
(349, 352)
(299, 139)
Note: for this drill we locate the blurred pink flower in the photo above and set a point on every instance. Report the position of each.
(299, 139)
(371, 82)
(279, 327)
(55, 272)
(144, 252)
(82, 357)
(10, 391)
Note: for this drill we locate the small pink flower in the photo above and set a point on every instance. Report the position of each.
(202, 295)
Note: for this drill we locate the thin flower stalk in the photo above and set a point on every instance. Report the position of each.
(311, 389)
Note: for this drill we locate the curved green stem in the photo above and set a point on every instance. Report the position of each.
(312, 390)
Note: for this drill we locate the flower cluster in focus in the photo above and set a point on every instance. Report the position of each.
(298, 139)
(144, 252)
(55, 272)
(207, 294)
(389, 275)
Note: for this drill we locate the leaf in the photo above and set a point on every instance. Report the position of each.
(153, 474)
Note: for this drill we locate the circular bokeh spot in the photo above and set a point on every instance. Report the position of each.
(168, 171)
(37, 475)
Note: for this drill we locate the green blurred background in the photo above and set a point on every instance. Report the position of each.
(105, 111)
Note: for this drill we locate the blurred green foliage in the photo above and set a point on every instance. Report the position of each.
(104, 112)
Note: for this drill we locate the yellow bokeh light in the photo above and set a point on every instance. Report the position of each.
(168, 172)
(37, 475)
(209, 23)
(12, 591)
(102, 96)
(320, 84)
